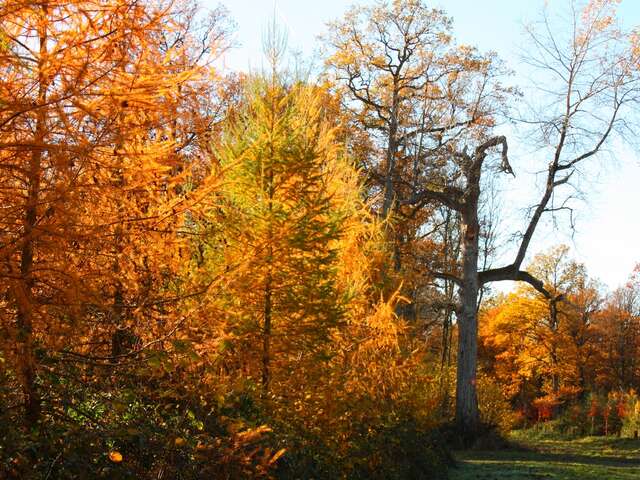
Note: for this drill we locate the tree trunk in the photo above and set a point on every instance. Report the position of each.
(268, 287)
(555, 376)
(392, 150)
(467, 415)
(27, 367)
(266, 337)
(23, 292)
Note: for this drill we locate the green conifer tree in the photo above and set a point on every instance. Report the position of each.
(279, 220)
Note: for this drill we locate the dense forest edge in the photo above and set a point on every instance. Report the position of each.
(291, 273)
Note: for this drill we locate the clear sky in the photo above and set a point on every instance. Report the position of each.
(607, 236)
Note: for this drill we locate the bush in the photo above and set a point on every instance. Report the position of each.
(386, 445)
(495, 409)
(630, 415)
(399, 449)
(132, 430)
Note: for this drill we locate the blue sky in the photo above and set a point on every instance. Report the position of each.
(607, 235)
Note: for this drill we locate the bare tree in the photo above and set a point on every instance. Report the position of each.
(590, 82)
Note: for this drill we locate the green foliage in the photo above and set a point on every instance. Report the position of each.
(129, 425)
(273, 230)
(399, 449)
(397, 446)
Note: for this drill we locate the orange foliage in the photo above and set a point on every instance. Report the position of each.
(102, 106)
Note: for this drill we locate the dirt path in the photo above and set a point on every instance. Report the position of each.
(584, 459)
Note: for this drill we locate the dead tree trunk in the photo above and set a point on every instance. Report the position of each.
(467, 415)
(465, 200)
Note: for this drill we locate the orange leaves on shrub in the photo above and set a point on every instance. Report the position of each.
(115, 456)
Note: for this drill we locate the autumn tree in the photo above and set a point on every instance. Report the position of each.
(539, 348)
(420, 97)
(104, 104)
(276, 228)
(583, 298)
(559, 276)
(594, 73)
(413, 91)
(617, 330)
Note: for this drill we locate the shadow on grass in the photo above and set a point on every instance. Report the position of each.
(542, 457)
(531, 457)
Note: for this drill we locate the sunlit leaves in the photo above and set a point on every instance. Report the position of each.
(115, 456)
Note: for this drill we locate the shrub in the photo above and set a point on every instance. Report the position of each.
(399, 449)
(129, 431)
(495, 410)
(631, 417)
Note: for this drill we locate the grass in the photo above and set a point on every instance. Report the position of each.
(550, 457)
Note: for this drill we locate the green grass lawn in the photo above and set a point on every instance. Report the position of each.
(585, 459)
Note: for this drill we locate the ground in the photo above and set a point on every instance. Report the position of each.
(553, 458)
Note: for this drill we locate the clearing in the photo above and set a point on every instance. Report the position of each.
(601, 458)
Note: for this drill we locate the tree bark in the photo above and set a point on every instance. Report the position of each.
(469, 281)
(268, 287)
(392, 151)
(266, 337)
(23, 292)
(467, 416)
(555, 377)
